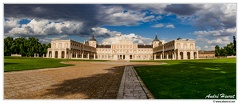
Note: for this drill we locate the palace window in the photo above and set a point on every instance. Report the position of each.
(185, 46)
(191, 46)
(54, 45)
(178, 45)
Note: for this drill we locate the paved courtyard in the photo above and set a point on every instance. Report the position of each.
(85, 80)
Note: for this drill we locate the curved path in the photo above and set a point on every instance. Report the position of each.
(95, 80)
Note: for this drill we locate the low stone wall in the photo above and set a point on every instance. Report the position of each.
(16, 55)
(231, 56)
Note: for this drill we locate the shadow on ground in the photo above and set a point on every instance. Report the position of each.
(189, 80)
(100, 86)
(9, 63)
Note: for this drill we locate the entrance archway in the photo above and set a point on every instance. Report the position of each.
(181, 55)
(188, 55)
(62, 54)
(56, 54)
(195, 55)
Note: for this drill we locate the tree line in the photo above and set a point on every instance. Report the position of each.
(24, 46)
(228, 50)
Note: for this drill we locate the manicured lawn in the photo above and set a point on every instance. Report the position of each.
(190, 79)
(25, 63)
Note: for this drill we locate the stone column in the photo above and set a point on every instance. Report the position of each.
(65, 54)
(197, 54)
(154, 57)
(184, 55)
(82, 55)
(76, 54)
(173, 55)
(178, 56)
(53, 54)
(191, 55)
(160, 55)
(94, 56)
(59, 54)
(88, 55)
(163, 55)
(167, 55)
(71, 55)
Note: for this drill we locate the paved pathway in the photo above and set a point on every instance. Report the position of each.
(131, 86)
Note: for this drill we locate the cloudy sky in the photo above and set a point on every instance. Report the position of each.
(208, 24)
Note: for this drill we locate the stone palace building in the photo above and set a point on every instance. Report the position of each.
(123, 50)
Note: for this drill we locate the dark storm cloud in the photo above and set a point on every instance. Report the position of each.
(51, 11)
(215, 21)
(66, 12)
(217, 17)
(182, 9)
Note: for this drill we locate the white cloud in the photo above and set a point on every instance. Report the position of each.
(43, 27)
(10, 23)
(115, 36)
(103, 32)
(118, 16)
(209, 48)
(170, 26)
(162, 25)
(198, 48)
(214, 41)
(205, 46)
(217, 33)
(215, 37)
(132, 37)
(158, 25)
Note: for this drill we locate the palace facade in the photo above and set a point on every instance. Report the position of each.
(123, 50)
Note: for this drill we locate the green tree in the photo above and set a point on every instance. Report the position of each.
(223, 52)
(24, 46)
(7, 45)
(230, 49)
(226, 50)
(217, 50)
(234, 43)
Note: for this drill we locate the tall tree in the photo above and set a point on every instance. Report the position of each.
(7, 45)
(217, 50)
(234, 43)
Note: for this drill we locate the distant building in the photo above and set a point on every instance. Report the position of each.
(176, 49)
(123, 50)
(206, 54)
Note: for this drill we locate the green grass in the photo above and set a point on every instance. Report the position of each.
(190, 79)
(27, 63)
